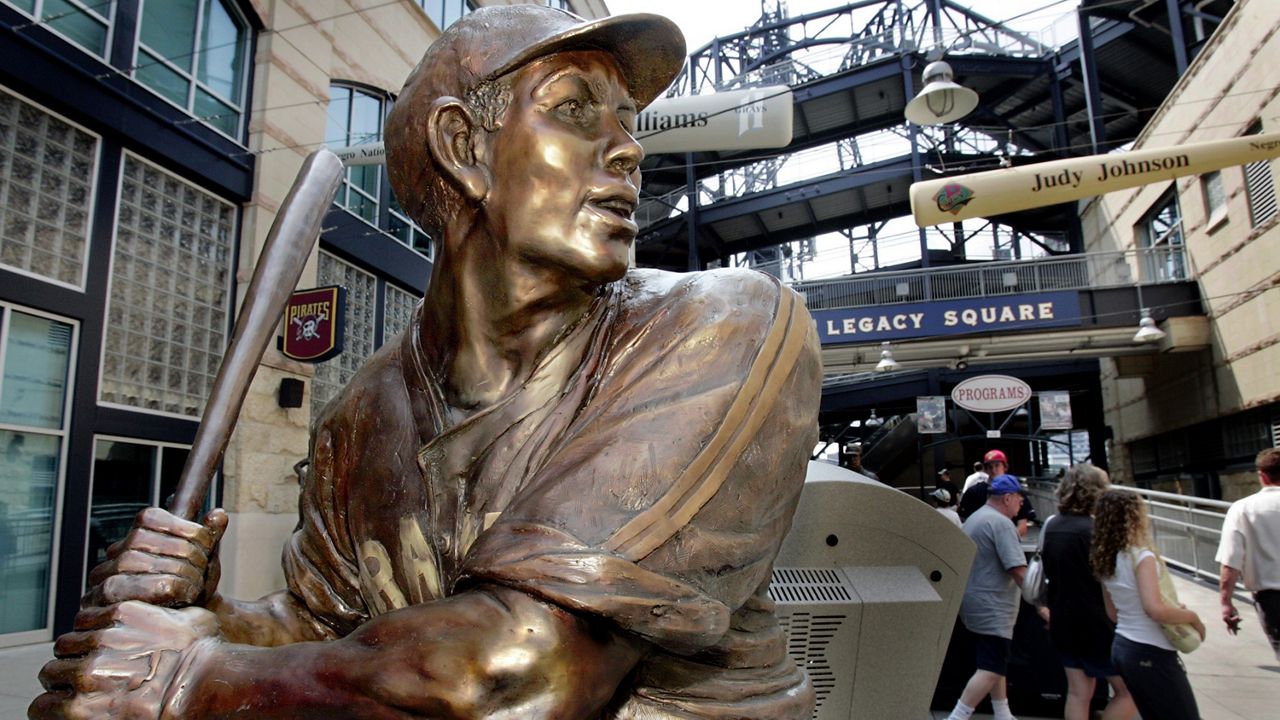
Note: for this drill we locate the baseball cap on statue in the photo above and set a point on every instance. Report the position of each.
(493, 41)
(995, 456)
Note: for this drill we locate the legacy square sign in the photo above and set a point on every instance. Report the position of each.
(947, 317)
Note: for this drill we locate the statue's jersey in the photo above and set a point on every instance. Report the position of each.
(645, 474)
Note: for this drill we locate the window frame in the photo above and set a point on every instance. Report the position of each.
(387, 209)
(468, 7)
(36, 13)
(155, 500)
(228, 296)
(1211, 183)
(45, 634)
(241, 105)
(91, 207)
(1150, 245)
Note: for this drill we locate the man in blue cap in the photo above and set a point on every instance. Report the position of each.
(990, 605)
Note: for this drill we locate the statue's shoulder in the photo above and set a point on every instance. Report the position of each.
(379, 383)
(710, 295)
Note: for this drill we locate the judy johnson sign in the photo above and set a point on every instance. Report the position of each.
(948, 317)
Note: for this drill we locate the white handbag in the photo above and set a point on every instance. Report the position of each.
(1035, 586)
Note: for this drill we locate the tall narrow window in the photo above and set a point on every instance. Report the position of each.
(1260, 187)
(193, 52)
(1215, 197)
(355, 118)
(332, 375)
(87, 23)
(1161, 235)
(47, 166)
(35, 381)
(167, 314)
(397, 311)
(128, 476)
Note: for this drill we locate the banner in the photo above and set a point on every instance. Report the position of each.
(313, 324)
(931, 415)
(1055, 411)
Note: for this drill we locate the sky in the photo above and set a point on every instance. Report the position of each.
(704, 20)
(1048, 21)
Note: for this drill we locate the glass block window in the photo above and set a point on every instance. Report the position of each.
(193, 53)
(398, 311)
(47, 168)
(1160, 233)
(332, 375)
(87, 23)
(35, 383)
(167, 315)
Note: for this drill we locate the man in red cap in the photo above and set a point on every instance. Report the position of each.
(975, 494)
(558, 495)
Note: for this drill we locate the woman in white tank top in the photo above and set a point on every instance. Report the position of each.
(1127, 568)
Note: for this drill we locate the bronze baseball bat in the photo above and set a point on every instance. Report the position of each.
(292, 236)
(996, 192)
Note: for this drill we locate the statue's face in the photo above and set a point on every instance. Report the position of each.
(566, 176)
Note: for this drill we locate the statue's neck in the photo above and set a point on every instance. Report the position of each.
(486, 326)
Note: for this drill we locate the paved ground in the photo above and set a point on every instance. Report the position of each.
(1235, 678)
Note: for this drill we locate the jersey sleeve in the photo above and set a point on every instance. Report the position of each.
(662, 506)
(319, 565)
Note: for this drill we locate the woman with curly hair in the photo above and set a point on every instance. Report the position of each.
(1122, 558)
(1079, 627)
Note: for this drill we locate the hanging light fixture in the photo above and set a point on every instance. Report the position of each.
(1148, 332)
(942, 100)
(872, 420)
(887, 363)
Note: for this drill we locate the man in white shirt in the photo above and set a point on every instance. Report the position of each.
(977, 476)
(1250, 547)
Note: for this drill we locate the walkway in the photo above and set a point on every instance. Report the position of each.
(1235, 678)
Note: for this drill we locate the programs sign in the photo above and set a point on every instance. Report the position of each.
(991, 393)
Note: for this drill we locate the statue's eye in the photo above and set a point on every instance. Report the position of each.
(571, 108)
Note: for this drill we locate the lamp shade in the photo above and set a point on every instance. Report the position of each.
(942, 100)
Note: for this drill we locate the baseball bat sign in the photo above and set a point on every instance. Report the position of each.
(1007, 190)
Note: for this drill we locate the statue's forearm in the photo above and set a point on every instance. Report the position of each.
(460, 658)
(277, 619)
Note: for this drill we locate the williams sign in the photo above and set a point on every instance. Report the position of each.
(948, 317)
(732, 120)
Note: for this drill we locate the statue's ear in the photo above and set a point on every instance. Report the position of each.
(451, 136)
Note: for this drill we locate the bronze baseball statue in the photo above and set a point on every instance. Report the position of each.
(558, 494)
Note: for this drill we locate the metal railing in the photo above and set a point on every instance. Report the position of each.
(1083, 271)
(1185, 529)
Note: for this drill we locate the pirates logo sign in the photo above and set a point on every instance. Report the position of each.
(313, 324)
